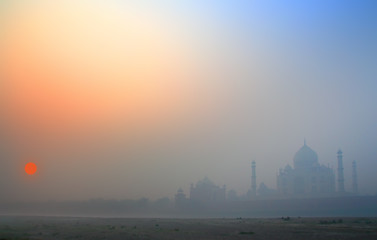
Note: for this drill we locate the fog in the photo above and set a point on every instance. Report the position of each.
(131, 99)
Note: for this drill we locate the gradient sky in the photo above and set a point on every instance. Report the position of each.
(130, 99)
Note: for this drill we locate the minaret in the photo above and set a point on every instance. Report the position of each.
(354, 178)
(340, 172)
(253, 180)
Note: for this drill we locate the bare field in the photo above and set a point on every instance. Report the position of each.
(162, 228)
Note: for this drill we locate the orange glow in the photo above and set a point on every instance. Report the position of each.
(30, 168)
(74, 65)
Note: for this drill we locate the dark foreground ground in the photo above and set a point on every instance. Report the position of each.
(155, 228)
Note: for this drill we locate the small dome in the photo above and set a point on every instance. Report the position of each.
(288, 168)
(305, 158)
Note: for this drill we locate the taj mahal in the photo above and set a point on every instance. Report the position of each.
(307, 178)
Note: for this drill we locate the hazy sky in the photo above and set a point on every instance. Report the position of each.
(125, 99)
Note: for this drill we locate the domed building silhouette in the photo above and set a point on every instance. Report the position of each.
(307, 178)
(206, 191)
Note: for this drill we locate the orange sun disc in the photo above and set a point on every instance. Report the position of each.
(30, 168)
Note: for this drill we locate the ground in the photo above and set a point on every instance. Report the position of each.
(17, 227)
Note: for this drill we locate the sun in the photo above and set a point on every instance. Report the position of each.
(30, 168)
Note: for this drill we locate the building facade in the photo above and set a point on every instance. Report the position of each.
(307, 177)
(206, 191)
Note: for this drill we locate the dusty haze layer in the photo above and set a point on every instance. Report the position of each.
(138, 98)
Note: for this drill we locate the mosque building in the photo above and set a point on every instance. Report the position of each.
(206, 191)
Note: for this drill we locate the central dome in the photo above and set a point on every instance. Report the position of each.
(305, 158)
